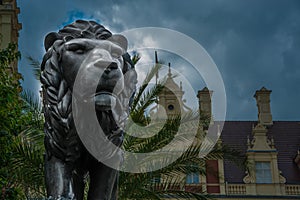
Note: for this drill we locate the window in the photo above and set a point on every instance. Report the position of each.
(263, 172)
(192, 178)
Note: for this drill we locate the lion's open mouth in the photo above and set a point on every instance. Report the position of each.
(105, 100)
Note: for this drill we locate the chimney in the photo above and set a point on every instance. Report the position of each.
(204, 96)
(262, 97)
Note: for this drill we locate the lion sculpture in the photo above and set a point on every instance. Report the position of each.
(106, 67)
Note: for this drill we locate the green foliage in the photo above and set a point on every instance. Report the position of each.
(9, 55)
(11, 119)
(28, 149)
(136, 57)
(173, 176)
(21, 136)
(10, 108)
(35, 64)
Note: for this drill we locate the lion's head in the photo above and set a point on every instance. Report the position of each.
(88, 54)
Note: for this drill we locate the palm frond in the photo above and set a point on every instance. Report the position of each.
(135, 58)
(32, 105)
(164, 131)
(147, 99)
(28, 161)
(36, 66)
(28, 148)
(135, 186)
(178, 194)
(153, 71)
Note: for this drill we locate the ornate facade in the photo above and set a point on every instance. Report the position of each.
(9, 24)
(271, 149)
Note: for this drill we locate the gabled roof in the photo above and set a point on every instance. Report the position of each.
(286, 136)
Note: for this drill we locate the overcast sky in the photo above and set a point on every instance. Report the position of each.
(254, 43)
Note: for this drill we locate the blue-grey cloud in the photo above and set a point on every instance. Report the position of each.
(254, 43)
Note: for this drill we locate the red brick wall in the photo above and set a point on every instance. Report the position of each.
(212, 176)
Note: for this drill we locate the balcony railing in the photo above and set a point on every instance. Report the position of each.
(292, 189)
(236, 189)
(243, 189)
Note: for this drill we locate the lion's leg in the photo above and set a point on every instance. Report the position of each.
(79, 177)
(114, 194)
(58, 179)
(102, 182)
(79, 185)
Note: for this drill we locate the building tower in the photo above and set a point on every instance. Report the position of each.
(9, 24)
(170, 100)
(262, 97)
(204, 97)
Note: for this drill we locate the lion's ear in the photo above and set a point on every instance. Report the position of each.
(119, 40)
(50, 39)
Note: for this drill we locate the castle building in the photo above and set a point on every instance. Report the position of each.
(271, 149)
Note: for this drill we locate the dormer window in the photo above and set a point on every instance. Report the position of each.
(263, 172)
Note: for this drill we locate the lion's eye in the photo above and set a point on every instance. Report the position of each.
(115, 55)
(79, 51)
(76, 48)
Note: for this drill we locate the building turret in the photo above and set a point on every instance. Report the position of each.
(262, 97)
(204, 97)
(170, 100)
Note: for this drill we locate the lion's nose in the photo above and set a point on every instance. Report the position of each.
(111, 67)
(103, 64)
(106, 64)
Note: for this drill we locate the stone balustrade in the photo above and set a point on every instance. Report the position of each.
(292, 189)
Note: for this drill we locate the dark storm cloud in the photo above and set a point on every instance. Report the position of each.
(254, 43)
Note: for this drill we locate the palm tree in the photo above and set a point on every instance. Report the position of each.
(29, 150)
(11, 120)
(21, 125)
(169, 181)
